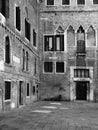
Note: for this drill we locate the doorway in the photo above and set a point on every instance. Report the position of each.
(21, 93)
(81, 90)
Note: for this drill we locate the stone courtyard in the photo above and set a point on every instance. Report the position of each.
(52, 116)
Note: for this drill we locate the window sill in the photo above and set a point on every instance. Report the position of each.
(7, 100)
(8, 65)
(25, 71)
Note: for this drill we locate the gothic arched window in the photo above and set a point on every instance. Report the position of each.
(91, 37)
(70, 36)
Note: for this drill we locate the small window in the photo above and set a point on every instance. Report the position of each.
(95, 1)
(7, 90)
(34, 38)
(50, 2)
(60, 67)
(59, 43)
(7, 50)
(80, 2)
(34, 90)
(18, 18)
(65, 2)
(28, 90)
(35, 65)
(27, 29)
(48, 67)
(49, 43)
(27, 59)
(23, 59)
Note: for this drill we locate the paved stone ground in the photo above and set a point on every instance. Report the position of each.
(52, 116)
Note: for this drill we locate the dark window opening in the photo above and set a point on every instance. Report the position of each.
(81, 2)
(23, 59)
(18, 18)
(28, 92)
(7, 50)
(35, 69)
(4, 8)
(49, 43)
(27, 29)
(34, 90)
(27, 59)
(50, 2)
(65, 2)
(83, 73)
(7, 90)
(48, 67)
(59, 43)
(34, 38)
(60, 67)
(95, 1)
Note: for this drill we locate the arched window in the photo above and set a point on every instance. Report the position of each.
(70, 36)
(7, 50)
(80, 40)
(91, 38)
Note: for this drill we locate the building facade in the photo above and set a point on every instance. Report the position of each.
(19, 55)
(69, 49)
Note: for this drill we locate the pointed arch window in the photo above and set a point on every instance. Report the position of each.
(7, 50)
(91, 37)
(70, 36)
(80, 40)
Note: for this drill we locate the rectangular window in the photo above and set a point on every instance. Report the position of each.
(28, 90)
(23, 59)
(95, 1)
(80, 2)
(60, 67)
(35, 69)
(34, 90)
(34, 38)
(48, 67)
(7, 50)
(4, 8)
(7, 90)
(50, 2)
(49, 43)
(65, 2)
(18, 18)
(83, 73)
(59, 43)
(27, 30)
(27, 59)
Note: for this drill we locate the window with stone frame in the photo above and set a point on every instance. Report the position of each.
(59, 42)
(50, 2)
(7, 90)
(4, 8)
(70, 36)
(91, 37)
(35, 66)
(49, 43)
(18, 18)
(34, 37)
(7, 50)
(27, 30)
(65, 2)
(80, 2)
(95, 1)
(28, 89)
(59, 67)
(48, 67)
